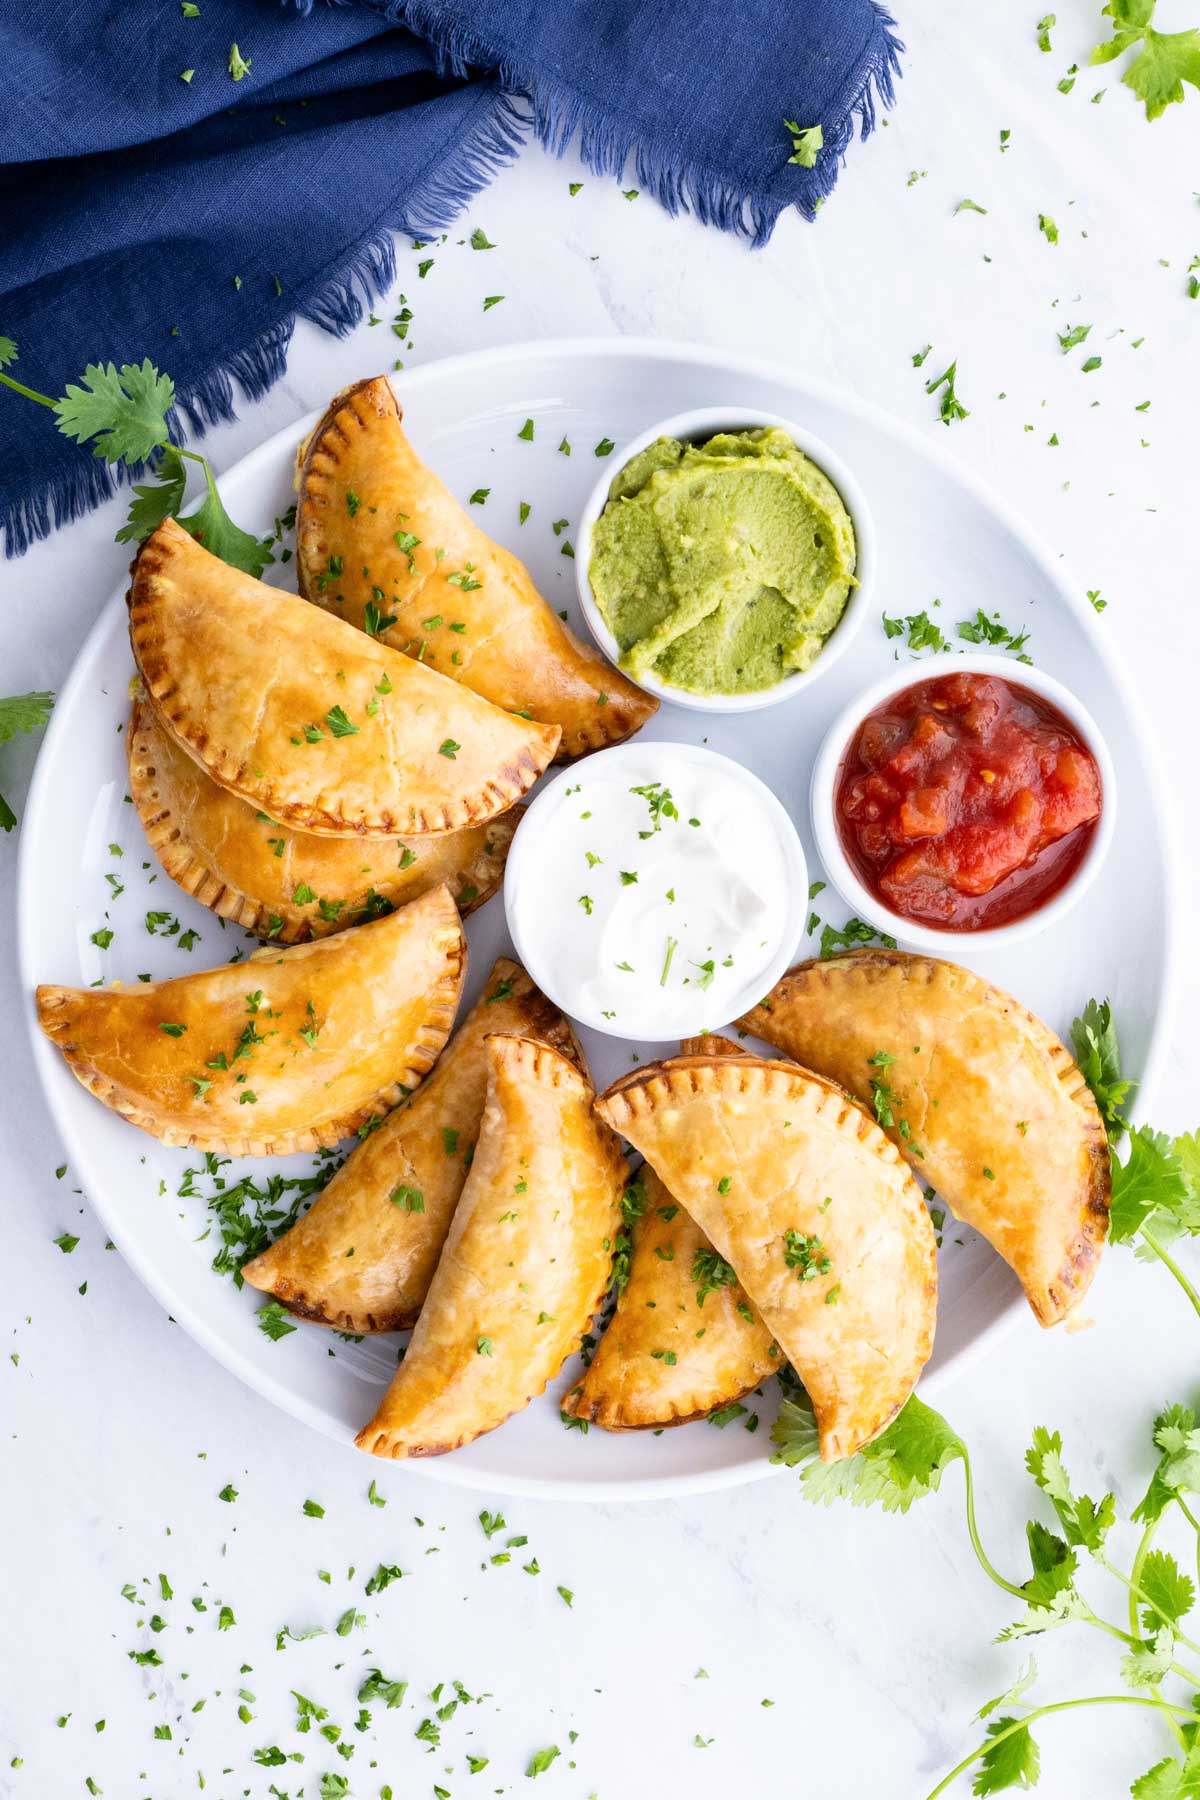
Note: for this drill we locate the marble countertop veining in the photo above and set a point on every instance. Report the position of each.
(869, 1635)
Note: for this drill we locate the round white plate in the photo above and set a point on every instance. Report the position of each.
(940, 536)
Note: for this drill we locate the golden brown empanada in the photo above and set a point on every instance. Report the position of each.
(362, 1258)
(980, 1096)
(524, 1266)
(801, 1192)
(376, 529)
(684, 1339)
(312, 721)
(287, 885)
(291, 1050)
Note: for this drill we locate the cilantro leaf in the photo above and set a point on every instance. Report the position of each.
(274, 1322)
(1172, 1593)
(8, 352)
(1011, 1695)
(23, 712)
(1085, 1522)
(156, 501)
(212, 526)
(807, 142)
(1149, 1663)
(1150, 1177)
(1066, 1604)
(1165, 60)
(1170, 1779)
(1178, 1469)
(124, 410)
(903, 1464)
(950, 407)
(1054, 1566)
(20, 712)
(1011, 1760)
(1098, 1053)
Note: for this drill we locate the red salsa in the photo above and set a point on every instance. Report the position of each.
(966, 801)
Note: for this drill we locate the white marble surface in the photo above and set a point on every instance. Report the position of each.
(870, 1634)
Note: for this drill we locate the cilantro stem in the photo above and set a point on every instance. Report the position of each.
(1152, 1243)
(1136, 1572)
(1057, 1706)
(1132, 1642)
(1147, 1539)
(980, 1554)
(19, 387)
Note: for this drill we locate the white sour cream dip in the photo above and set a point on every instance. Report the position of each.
(655, 890)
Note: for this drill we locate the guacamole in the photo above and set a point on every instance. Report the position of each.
(722, 567)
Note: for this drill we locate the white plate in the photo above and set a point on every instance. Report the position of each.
(939, 534)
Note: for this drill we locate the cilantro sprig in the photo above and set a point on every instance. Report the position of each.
(124, 414)
(1155, 1199)
(906, 1462)
(1156, 1187)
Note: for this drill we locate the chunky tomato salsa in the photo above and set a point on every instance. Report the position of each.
(966, 801)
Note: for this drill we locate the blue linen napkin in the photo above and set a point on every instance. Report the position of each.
(181, 181)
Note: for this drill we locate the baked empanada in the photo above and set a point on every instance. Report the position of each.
(308, 719)
(801, 1192)
(525, 1264)
(684, 1340)
(288, 885)
(363, 1256)
(981, 1097)
(291, 1050)
(383, 544)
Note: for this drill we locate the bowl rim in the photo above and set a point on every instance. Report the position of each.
(521, 863)
(837, 865)
(693, 426)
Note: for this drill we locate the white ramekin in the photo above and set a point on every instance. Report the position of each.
(695, 427)
(525, 866)
(829, 845)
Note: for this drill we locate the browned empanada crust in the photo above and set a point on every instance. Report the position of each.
(987, 1104)
(315, 723)
(372, 511)
(293, 1049)
(362, 1258)
(817, 1213)
(671, 1352)
(525, 1264)
(288, 885)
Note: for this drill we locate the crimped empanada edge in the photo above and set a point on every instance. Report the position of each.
(609, 1414)
(686, 1075)
(556, 1033)
(540, 1058)
(508, 784)
(189, 870)
(424, 1049)
(1079, 1265)
(614, 722)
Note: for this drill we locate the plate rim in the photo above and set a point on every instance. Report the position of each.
(462, 1473)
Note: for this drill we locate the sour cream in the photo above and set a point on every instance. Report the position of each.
(655, 890)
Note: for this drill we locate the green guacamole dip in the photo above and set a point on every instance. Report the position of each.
(722, 567)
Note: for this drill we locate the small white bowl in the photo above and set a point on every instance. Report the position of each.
(837, 864)
(696, 427)
(692, 1011)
